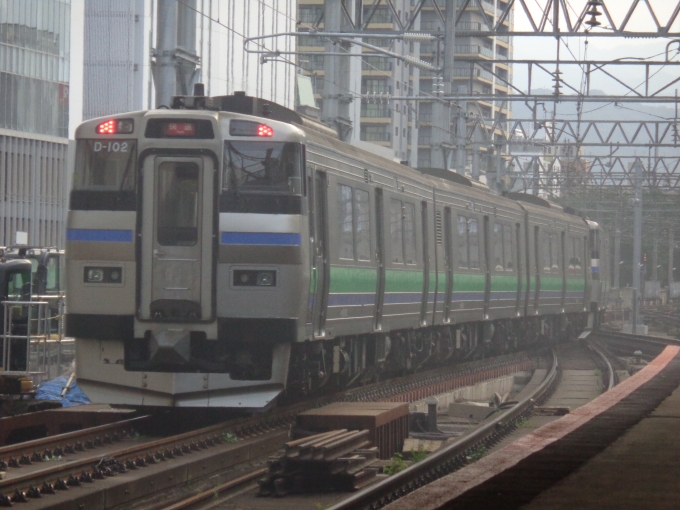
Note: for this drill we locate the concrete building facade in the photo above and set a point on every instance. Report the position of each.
(35, 40)
(119, 39)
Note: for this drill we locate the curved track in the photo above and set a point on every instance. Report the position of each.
(213, 448)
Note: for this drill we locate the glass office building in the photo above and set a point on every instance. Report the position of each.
(34, 104)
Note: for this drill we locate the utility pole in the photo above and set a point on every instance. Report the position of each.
(655, 257)
(636, 323)
(476, 153)
(617, 255)
(441, 116)
(174, 70)
(461, 129)
(536, 183)
(671, 247)
(342, 75)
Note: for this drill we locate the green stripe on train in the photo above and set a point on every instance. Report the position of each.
(442, 283)
(353, 279)
(551, 282)
(439, 284)
(503, 283)
(576, 284)
(397, 280)
(463, 282)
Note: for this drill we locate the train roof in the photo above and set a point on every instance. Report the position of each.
(440, 179)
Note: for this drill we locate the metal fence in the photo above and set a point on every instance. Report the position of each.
(33, 341)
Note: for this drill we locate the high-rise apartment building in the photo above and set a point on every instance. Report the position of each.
(119, 38)
(405, 126)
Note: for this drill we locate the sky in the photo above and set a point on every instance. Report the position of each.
(599, 47)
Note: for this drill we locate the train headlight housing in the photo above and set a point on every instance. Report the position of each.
(116, 127)
(103, 275)
(265, 278)
(94, 275)
(254, 278)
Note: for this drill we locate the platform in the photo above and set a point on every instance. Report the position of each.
(619, 451)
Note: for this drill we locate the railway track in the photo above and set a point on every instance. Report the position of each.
(456, 455)
(623, 344)
(128, 470)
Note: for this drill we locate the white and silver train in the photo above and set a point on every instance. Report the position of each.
(227, 250)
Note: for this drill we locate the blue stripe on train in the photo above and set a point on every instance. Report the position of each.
(261, 238)
(467, 296)
(99, 235)
(351, 299)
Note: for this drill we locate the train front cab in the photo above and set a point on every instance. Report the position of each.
(163, 242)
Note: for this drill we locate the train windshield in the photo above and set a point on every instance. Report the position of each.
(105, 165)
(262, 167)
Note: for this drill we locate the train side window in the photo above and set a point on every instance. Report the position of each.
(52, 282)
(498, 246)
(410, 234)
(546, 252)
(507, 247)
(463, 259)
(578, 250)
(473, 242)
(554, 253)
(396, 231)
(262, 167)
(346, 222)
(362, 216)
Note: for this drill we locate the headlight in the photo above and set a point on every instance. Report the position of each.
(94, 275)
(103, 275)
(252, 278)
(265, 278)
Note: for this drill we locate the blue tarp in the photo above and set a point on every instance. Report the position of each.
(51, 390)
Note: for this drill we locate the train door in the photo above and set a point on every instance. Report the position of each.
(518, 265)
(527, 264)
(487, 266)
(563, 267)
(313, 270)
(448, 262)
(320, 261)
(177, 232)
(537, 268)
(380, 259)
(426, 264)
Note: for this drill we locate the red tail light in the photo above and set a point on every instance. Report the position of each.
(107, 128)
(116, 126)
(264, 130)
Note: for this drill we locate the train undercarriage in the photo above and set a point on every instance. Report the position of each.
(363, 359)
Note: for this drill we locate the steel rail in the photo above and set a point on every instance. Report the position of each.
(139, 455)
(83, 435)
(215, 491)
(610, 369)
(642, 339)
(442, 462)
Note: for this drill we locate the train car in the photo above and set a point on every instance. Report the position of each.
(228, 249)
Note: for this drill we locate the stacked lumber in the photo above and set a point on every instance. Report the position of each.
(334, 461)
